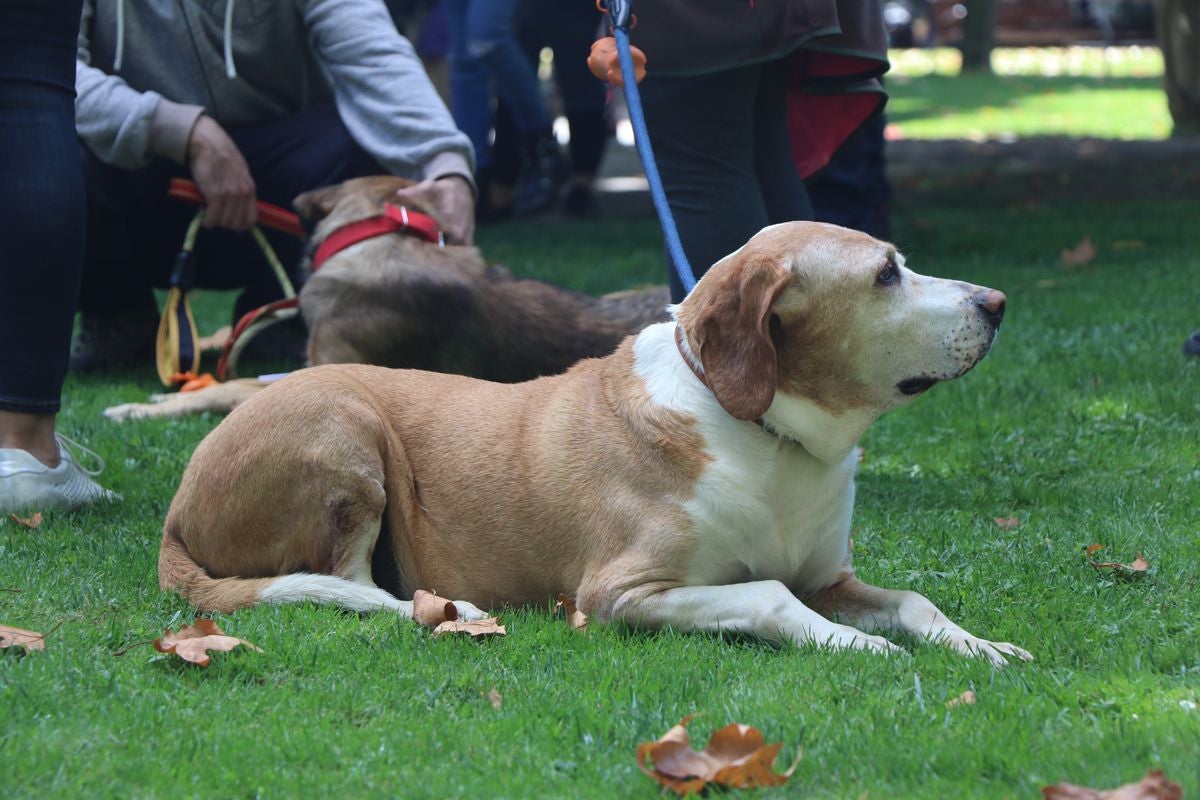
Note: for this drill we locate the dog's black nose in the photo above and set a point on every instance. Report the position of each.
(991, 305)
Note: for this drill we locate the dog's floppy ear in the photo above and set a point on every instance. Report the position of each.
(727, 319)
(317, 204)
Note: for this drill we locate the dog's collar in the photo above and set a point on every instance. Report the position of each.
(690, 360)
(394, 219)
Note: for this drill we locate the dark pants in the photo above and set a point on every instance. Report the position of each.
(135, 230)
(41, 201)
(853, 191)
(722, 146)
(569, 30)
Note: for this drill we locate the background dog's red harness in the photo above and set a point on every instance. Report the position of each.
(394, 219)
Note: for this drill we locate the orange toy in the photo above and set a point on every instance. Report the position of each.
(605, 65)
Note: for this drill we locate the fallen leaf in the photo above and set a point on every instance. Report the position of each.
(1154, 786)
(29, 522)
(1079, 255)
(15, 637)
(736, 756)
(1047, 283)
(575, 618)
(1128, 244)
(496, 698)
(1007, 523)
(193, 642)
(489, 626)
(967, 698)
(1135, 570)
(431, 610)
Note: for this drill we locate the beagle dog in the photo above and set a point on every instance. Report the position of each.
(701, 476)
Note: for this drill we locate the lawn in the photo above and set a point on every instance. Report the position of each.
(1082, 424)
(1103, 92)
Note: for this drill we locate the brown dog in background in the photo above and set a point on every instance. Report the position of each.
(399, 301)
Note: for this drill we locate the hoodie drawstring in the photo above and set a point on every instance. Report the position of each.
(226, 34)
(120, 35)
(230, 69)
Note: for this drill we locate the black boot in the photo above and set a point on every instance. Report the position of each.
(543, 171)
(487, 210)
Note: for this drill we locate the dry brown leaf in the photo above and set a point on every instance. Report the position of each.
(488, 626)
(431, 610)
(15, 637)
(495, 698)
(1154, 786)
(575, 618)
(193, 642)
(1079, 255)
(967, 698)
(736, 756)
(1135, 570)
(1007, 523)
(33, 523)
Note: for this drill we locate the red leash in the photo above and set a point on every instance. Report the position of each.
(269, 214)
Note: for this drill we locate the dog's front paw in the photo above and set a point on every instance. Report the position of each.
(127, 411)
(468, 612)
(996, 652)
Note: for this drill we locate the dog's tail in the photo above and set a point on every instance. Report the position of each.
(178, 570)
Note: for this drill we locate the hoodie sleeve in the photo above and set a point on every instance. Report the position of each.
(122, 126)
(383, 94)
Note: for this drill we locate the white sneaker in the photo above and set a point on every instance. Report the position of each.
(27, 484)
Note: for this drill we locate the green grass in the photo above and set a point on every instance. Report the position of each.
(1082, 423)
(1108, 93)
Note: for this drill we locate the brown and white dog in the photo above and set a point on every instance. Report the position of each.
(400, 301)
(701, 477)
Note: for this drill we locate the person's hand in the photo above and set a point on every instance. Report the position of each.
(222, 176)
(454, 202)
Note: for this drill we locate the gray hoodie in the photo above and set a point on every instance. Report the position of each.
(247, 62)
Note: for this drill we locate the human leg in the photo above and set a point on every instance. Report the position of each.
(701, 128)
(41, 241)
(470, 83)
(41, 222)
(569, 30)
(783, 191)
(492, 38)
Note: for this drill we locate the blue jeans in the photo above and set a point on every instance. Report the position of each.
(484, 49)
(41, 201)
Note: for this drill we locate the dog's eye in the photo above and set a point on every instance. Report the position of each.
(889, 275)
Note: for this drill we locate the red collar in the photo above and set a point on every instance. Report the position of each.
(394, 219)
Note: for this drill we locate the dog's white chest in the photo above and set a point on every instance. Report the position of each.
(771, 512)
(762, 508)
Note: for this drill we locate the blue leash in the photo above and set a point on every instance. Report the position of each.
(620, 12)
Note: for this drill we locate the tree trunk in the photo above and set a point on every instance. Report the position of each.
(979, 36)
(1179, 36)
